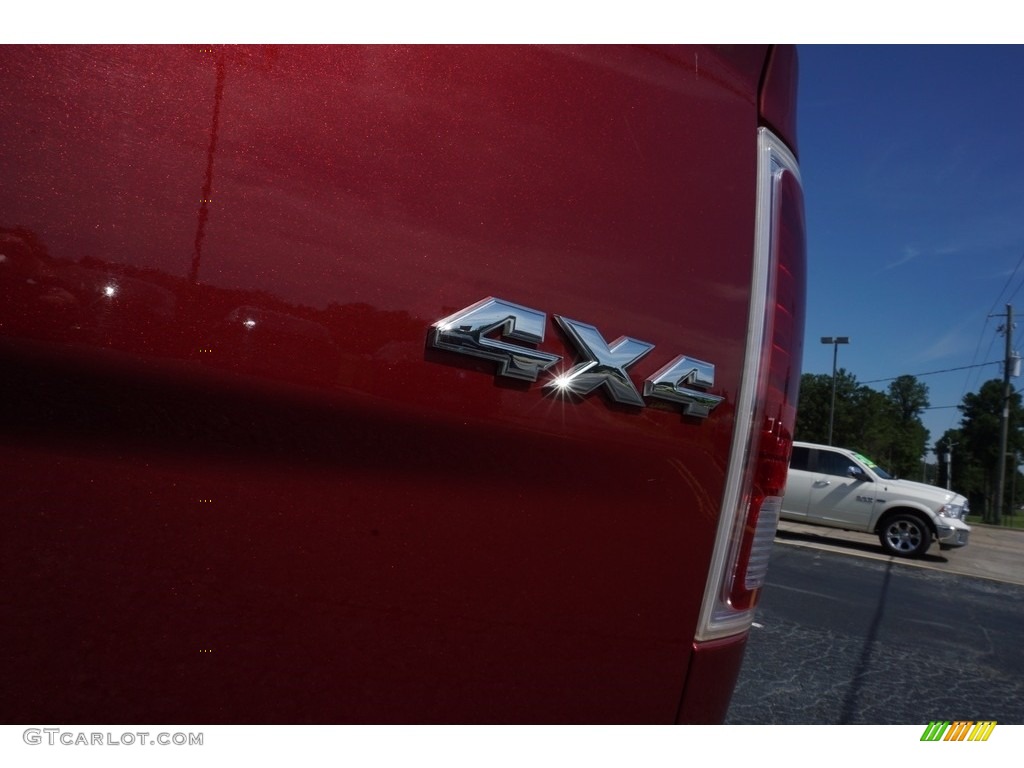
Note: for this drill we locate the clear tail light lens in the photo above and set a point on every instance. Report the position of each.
(766, 409)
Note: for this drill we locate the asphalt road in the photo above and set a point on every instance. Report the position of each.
(845, 634)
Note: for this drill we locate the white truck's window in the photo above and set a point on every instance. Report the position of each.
(832, 463)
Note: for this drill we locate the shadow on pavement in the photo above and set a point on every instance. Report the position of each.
(868, 546)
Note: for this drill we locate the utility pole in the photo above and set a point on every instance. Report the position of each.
(1013, 486)
(948, 456)
(1004, 420)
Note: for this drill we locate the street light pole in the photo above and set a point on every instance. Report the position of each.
(835, 341)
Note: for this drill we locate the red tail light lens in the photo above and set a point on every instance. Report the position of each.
(766, 410)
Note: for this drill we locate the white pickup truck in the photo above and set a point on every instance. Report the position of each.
(840, 488)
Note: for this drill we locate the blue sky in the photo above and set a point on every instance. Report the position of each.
(913, 166)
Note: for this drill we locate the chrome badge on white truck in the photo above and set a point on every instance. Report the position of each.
(840, 488)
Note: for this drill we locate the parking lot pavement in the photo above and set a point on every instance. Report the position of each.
(993, 553)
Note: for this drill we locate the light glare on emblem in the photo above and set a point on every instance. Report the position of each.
(603, 364)
(562, 382)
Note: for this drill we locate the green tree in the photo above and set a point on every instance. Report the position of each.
(909, 438)
(883, 425)
(816, 402)
(981, 443)
(909, 396)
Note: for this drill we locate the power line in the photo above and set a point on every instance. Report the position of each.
(969, 384)
(933, 373)
(1016, 291)
(984, 327)
(1008, 281)
(977, 348)
(988, 317)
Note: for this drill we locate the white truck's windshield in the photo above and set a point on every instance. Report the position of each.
(874, 467)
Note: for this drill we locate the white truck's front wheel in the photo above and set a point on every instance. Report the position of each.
(905, 535)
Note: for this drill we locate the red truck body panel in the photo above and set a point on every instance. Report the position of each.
(240, 486)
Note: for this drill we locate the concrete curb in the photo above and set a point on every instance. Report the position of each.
(990, 554)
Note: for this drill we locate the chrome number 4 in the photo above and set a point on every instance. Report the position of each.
(469, 331)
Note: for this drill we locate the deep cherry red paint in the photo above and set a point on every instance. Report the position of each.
(238, 486)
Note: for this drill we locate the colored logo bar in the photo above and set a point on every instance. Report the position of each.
(959, 730)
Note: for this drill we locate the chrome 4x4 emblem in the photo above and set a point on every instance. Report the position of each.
(491, 328)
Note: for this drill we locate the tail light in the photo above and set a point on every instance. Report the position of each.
(766, 409)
